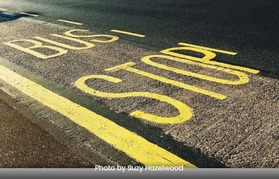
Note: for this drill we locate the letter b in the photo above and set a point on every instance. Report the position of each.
(37, 45)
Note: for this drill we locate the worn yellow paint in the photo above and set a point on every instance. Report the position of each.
(242, 77)
(207, 58)
(36, 45)
(87, 45)
(2, 9)
(128, 33)
(122, 139)
(128, 67)
(70, 22)
(111, 38)
(29, 14)
(184, 110)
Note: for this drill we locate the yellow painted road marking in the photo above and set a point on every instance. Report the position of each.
(185, 112)
(111, 37)
(128, 33)
(87, 45)
(122, 139)
(207, 59)
(28, 14)
(242, 77)
(2, 9)
(128, 67)
(37, 45)
(207, 48)
(70, 22)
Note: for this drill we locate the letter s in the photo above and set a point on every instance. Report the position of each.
(185, 112)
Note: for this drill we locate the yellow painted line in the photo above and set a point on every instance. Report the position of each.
(128, 67)
(185, 112)
(209, 55)
(128, 33)
(28, 14)
(207, 48)
(2, 9)
(122, 139)
(242, 77)
(70, 22)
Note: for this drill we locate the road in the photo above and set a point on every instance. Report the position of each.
(25, 145)
(191, 83)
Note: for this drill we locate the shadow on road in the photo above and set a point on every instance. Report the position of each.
(151, 133)
(8, 17)
(4, 17)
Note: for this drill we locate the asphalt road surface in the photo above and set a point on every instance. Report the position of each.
(26, 145)
(191, 83)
